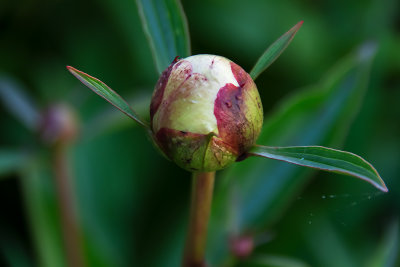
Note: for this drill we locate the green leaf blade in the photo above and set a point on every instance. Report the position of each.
(323, 158)
(37, 188)
(386, 253)
(166, 29)
(274, 51)
(107, 93)
(260, 191)
(11, 160)
(270, 260)
(15, 99)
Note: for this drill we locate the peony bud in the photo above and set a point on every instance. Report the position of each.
(58, 124)
(205, 112)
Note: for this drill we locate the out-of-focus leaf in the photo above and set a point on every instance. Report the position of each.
(109, 190)
(108, 119)
(273, 261)
(11, 160)
(274, 51)
(323, 158)
(320, 115)
(42, 208)
(388, 250)
(107, 93)
(13, 249)
(327, 245)
(18, 103)
(165, 25)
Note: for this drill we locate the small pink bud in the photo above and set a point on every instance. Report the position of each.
(242, 246)
(58, 124)
(205, 112)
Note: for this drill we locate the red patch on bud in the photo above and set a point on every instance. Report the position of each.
(159, 89)
(175, 59)
(240, 75)
(230, 119)
(229, 110)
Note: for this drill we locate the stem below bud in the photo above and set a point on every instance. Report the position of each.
(202, 191)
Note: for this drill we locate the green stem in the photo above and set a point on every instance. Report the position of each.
(202, 191)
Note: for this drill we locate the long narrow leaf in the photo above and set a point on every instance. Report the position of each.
(320, 114)
(387, 251)
(274, 51)
(13, 249)
(11, 160)
(165, 25)
(107, 120)
(18, 102)
(323, 158)
(262, 260)
(42, 213)
(107, 93)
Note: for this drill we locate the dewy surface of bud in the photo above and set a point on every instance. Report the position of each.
(205, 112)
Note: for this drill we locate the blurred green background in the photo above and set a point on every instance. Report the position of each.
(132, 204)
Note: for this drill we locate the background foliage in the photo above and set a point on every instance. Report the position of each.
(132, 203)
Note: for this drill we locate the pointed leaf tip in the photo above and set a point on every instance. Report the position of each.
(107, 93)
(323, 158)
(274, 51)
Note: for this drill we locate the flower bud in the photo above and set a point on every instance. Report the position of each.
(242, 246)
(58, 124)
(205, 112)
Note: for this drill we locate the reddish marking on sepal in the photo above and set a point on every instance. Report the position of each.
(240, 75)
(230, 118)
(175, 59)
(230, 111)
(159, 90)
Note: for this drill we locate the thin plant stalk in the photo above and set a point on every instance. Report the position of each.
(202, 191)
(69, 223)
